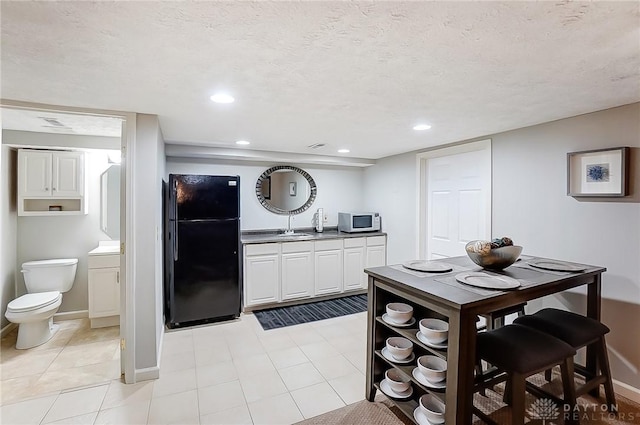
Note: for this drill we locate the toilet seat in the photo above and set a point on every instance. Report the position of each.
(30, 302)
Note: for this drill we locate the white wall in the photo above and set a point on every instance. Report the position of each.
(530, 205)
(71, 236)
(159, 251)
(8, 227)
(339, 189)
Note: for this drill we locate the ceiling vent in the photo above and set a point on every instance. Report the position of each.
(317, 145)
(52, 121)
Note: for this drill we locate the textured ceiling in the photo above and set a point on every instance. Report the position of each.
(349, 74)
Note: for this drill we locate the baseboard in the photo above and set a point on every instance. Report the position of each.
(627, 391)
(147, 373)
(5, 331)
(71, 315)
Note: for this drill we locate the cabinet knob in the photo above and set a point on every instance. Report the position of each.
(46, 188)
(54, 188)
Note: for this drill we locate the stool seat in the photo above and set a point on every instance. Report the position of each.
(521, 349)
(574, 329)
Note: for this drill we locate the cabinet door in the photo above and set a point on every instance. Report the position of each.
(297, 275)
(35, 173)
(354, 276)
(376, 256)
(328, 271)
(67, 174)
(261, 279)
(104, 292)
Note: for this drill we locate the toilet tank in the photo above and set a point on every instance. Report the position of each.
(49, 275)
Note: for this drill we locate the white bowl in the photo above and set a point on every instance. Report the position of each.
(433, 368)
(433, 408)
(400, 348)
(397, 381)
(400, 312)
(435, 330)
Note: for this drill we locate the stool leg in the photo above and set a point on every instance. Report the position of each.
(569, 390)
(603, 362)
(507, 397)
(547, 374)
(517, 394)
(480, 377)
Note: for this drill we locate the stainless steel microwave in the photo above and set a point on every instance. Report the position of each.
(360, 222)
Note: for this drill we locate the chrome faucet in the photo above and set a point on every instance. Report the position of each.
(289, 230)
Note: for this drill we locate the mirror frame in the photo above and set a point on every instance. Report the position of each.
(264, 202)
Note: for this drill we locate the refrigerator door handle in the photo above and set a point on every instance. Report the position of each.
(175, 240)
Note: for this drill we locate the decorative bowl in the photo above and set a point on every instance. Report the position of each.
(397, 381)
(433, 368)
(399, 347)
(433, 408)
(496, 258)
(400, 312)
(435, 330)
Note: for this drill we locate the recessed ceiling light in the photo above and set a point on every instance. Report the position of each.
(421, 127)
(222, 98)
(242, 142)
(343, 151)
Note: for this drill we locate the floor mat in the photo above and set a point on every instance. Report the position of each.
(304, 313)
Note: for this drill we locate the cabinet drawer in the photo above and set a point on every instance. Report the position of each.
(328, 245)
(103, 261)
(376, 240)
(261, 249)
(354, 242)
(296, 247)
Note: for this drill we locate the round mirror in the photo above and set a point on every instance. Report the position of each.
(285, 189)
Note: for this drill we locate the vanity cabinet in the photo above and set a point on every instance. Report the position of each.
(104, 289)
(50, 182)
(354, 263)
(261, 274)
(297, 270)
(328, 267)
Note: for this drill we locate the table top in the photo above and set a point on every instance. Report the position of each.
(445, 289)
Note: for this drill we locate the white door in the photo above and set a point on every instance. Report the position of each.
(297, 275)
(354, 278)
(328, 272)
(262, 278)
(68, 174)
(36, 166)
(458, 199)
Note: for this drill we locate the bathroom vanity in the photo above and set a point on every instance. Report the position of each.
(104, 285)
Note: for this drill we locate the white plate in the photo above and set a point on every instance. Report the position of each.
(389, 321)
(386, 388)
(423, 339)
(484, 280)
(424, 381)
(427, 266)
(387, 355)
(421, 418)
(556, 266)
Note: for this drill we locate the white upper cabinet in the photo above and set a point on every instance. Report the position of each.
(50, 182)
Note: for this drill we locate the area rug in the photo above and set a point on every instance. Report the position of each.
(297, 314)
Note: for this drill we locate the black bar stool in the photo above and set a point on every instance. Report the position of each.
(578, 331)
(521, 352)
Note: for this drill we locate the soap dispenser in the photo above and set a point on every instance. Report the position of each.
(319, 216)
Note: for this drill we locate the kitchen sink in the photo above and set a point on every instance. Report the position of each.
(295, 236)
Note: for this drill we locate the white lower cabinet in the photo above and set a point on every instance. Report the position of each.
(297, 270)
(376, 251)
(328, 267)
(104, 290)
(262, 274)
(354, 277)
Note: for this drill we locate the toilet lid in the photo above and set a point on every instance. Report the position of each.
(33, 301)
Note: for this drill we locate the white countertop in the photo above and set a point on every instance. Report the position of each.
(106, 248)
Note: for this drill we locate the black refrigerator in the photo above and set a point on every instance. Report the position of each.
(202, 277)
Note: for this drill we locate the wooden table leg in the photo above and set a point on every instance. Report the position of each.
(370, 390)
(460, 368)
(593, 310)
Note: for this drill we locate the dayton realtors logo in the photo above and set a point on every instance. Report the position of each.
(547, 410)
(543, 409)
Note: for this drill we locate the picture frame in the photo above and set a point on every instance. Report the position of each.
(598, 173)
(292, 188)
(266, 187)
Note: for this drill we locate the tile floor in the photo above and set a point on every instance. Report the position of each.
(228, 373)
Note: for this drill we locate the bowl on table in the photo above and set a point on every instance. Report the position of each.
(397, 381)
(435, 331)
(399, 312)
(433, 368)
(433, 408)
(492, 258)
(400, 348)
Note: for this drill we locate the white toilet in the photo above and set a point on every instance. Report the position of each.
(33, 312)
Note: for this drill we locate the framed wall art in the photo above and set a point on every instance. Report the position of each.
(601, 172)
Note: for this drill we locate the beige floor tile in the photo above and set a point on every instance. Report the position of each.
(85, 419)
(287, 357)
(220, 397)
(317, 399)
(176, 362)
(276, 341)
(350, 388)
(306, 335)
(234, 416)
(59, 340)
(27, 362)
(357, 358)
(129, 414)
(178, 409)
(75, 403)
(88, 335)
(121, 394)
(210, 355)
(175, 382)
(245, 347)
(14, 390)
(334, 367)
(347, 343)
(300, 376)
(177, 342)
(26, 412)
(318, 350)
(263, 385)
(333, 331)
(86, 354)
(64, 379)
(252, 365)
(277, 410)
(216, 373)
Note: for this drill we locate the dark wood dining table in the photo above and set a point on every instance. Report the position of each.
(460, 305)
